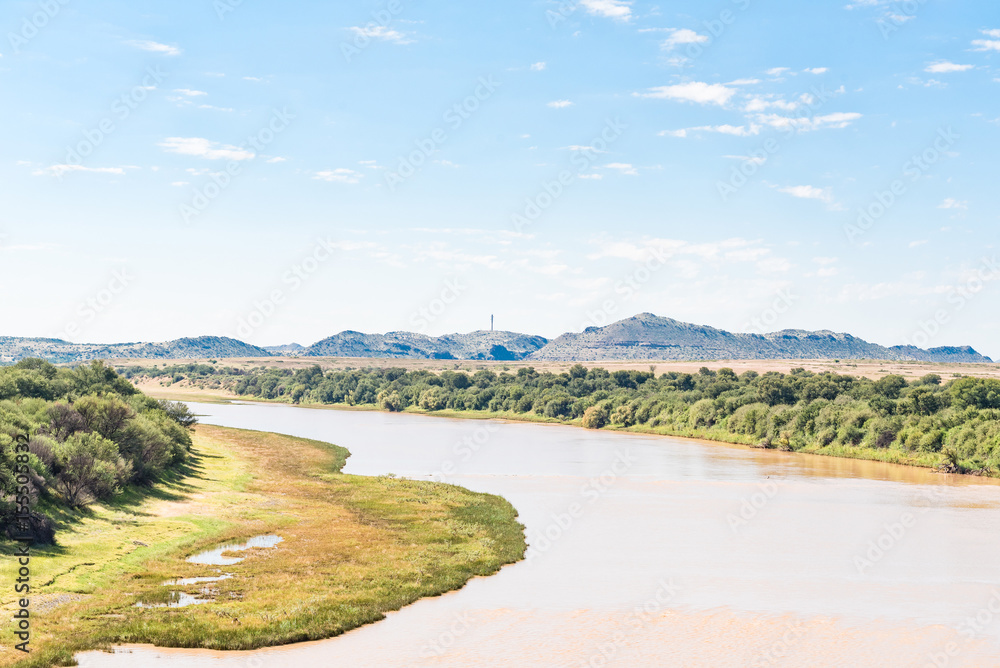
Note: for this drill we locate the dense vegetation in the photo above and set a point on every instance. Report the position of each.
(926, 421)
(89, 434)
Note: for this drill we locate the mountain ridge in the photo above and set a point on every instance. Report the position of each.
(642, 337)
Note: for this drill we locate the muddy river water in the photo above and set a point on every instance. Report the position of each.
(654, 551)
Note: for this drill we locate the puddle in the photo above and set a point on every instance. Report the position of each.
(192, 581)
(215, 558)
(177, 599)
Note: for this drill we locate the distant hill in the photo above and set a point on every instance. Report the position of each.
(647, 336)
(481, 345)
(642, 337)
(287, 350)
(59, 351)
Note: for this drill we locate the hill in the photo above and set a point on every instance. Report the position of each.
(642, 337)
(481, 345)
(58, 351)
(647, 336)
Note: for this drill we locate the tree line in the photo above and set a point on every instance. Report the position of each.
(89, 435)
(956, 422)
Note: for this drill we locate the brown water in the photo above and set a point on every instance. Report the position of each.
(649, 551)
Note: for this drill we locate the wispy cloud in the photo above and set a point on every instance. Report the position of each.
(992, 44)
(944, 67)
(836, 121)
(679, 36)
(734, 130)
(560, 104)
(698, 92)
(620, 10)
(824, 195)
(340, 175)
(951, 203)
(623, 167)
(189, 92)
(538, 67)
(383, 33)
(816, 70)
(155, 47)
(60, 170)
(204, 148)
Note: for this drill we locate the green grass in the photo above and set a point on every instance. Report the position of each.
(354, 548)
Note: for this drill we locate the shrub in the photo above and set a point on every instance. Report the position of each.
(595, 417)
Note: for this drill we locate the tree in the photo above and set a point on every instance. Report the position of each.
(595, 417)
(976, 392)
(179, 413)
(84, 466)
(890, 386)
(106, 415)
(390, 401)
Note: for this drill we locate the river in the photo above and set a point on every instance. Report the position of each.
(655, 551)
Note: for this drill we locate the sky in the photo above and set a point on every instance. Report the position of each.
(282, 172)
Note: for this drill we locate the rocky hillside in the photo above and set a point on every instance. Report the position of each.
(647, 336)
(481, 345)
(643, 337)
(58, 351)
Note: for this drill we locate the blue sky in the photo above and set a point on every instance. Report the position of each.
(279, 173)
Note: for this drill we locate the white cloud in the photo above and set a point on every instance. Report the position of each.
(383, 33)
(762, 103)
(944, 66)
(254, 79)
(59, 170)
(214, 108)
(757, 159)
(824, 195)
(777, 71)
(180, 184)
(835, 121)
(189, 92)
(743, 82)
(613, 9)
(155, 47)
(734, 130)
(276, 159)
(340, 175)
(623, 167)
(577, 147)
(988, 44)
(914, 244)
(951, 203)
(695, 91)
(560, 104)
(680, 36)
(816, 70)
(538, 67)
(204, 148)
(595, 177)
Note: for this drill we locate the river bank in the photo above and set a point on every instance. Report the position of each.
(927, 460)
(352, 549)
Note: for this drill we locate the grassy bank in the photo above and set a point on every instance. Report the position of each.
(354, 548)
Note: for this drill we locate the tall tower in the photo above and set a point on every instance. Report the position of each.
(491, 323)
